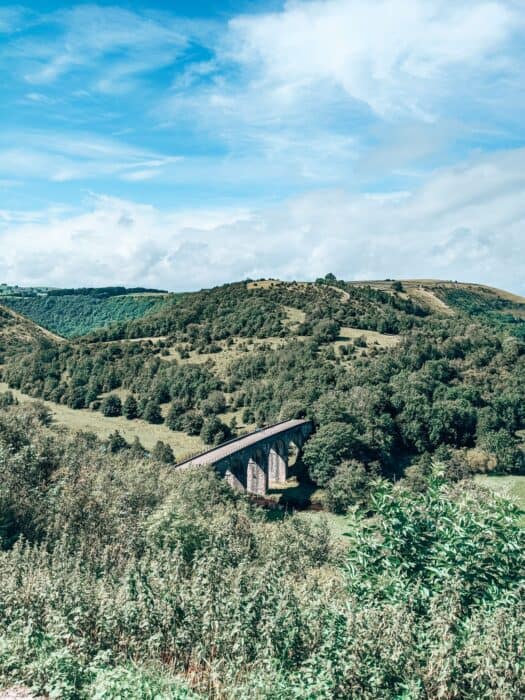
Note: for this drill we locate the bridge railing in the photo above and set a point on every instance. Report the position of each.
(189, 458)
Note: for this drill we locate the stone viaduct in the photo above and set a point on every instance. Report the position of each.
(250, 462)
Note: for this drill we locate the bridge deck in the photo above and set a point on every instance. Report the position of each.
(228, 448)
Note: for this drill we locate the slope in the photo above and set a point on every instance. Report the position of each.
(73, 313)
(19, 333)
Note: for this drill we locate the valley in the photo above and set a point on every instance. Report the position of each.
(145, 579)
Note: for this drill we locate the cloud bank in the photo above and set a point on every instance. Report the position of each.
(463, 223)
(372, 138)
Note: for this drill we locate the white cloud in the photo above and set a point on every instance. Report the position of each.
(390, 54)
(463, 223)
(60, 157)
(114, 44)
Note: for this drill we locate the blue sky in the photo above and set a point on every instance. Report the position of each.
(184, 144)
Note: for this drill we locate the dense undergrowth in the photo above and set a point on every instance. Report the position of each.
(122, 578)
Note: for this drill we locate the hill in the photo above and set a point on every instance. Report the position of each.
(390, 372)
(18, 333)
(416, 392)
(75, 312)
(487, 304)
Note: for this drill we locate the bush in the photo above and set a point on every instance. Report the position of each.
(111, 406)
(152, 413)
(350, 485)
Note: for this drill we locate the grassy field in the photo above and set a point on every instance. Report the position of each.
(95, 422)
(372, 337)
(337, 524)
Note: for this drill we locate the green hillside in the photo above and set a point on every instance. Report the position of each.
(141, 581)
(394, 375)
(19, 334)
(75, 312)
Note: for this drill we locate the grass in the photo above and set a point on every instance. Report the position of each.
(220, 361)
(512, 487)
(372, 337)
(337, 524)
(94, 421)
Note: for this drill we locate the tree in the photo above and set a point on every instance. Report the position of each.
(130, 408)
(162, 452)
(136, 449)
(192, 423)
(111, 406)
(214, 431)
(326, 331)
(328, 448)
(175, 413)
(350, 484)
(116, 442)
(152, 412)
(215, 403)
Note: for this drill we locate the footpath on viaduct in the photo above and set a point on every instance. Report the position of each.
(250, 462)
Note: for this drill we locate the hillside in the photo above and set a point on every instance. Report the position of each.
(141, 580)
(396, 371)
(18, 333)
(487, 304)
(75, 312)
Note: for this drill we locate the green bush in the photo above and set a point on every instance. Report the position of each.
(111, 406)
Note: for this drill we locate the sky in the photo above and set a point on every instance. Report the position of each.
(182, 144)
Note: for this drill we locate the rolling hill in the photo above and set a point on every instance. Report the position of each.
(415, 390)
(18, 333)
(398, 370)
(75, 312)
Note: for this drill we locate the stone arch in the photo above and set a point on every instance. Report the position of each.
(257, 472)
(278, 461)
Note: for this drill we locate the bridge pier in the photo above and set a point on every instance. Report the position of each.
(257, 474)
(278, 462)
(235, 475)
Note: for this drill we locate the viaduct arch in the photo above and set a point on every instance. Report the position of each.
(249, 463)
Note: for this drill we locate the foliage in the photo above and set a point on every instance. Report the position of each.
(72, 313)
(123, 578)
(349, 485)
(421, 546)
(455, 382)
(111, 406)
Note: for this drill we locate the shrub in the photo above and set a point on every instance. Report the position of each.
(349, 485)
(111, 406)
(152, 413)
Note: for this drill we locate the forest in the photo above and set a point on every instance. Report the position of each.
(75, 312)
